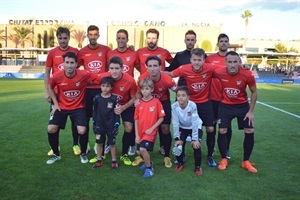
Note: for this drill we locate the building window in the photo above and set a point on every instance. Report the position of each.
(251, 49)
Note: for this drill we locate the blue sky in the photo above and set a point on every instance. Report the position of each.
(274, 19)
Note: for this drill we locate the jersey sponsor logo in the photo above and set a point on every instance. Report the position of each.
(61, 67)
(125, 68)
(127, 58)
(198, 86)
(71, 94)
(157, 96)
(95, 66)
(232, 92)
(119, 97)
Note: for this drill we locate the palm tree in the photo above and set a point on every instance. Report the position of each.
(2, 36)
(14, 39)
(68, 26)
(246, 15)
(23, 34)
(79, 36)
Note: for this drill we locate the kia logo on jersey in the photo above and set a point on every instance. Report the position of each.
(72, 94)
(125, 68)
(199, 86)
(232, 92)
(157, 96)
(61, 67)
(95, 66)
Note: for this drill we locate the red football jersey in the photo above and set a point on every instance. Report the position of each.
(216, 87)
(234, 86)
(145, 52)
(147, 113)
(71, 91)
(198, 83)
(94, 60)
(129, 58)
(161, 87)
(55, 60)
(124, 89)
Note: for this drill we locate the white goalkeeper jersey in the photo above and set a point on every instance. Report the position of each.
(186, 118)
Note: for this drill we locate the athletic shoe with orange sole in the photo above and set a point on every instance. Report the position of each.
(223, 164)
(198, 171)
(247, 165)
(179, 168)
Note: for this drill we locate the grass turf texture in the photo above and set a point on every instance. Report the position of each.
(24, 173)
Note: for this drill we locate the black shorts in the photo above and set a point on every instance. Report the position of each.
(215, 105)
(184, 133)
(100, 138)
(60, 117)
(168, 112)
(128, 115)
(205, 112)
(227, 112)
(146, 144)
(90, 94)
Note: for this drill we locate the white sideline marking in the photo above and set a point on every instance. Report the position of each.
(286, 112)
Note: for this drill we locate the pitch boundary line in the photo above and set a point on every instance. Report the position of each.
(278, 109)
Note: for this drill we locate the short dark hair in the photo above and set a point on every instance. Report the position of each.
(70, 54)
(116, 60)
(222, 35)
(232, 53)
(184, 89)
(153, 30)
(153, 58)
(62, 30)
(123, 31)
(107, 80)
(198, 52)
(191, 32)
(93, 28)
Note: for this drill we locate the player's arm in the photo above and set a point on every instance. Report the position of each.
(174, 65)
(253, 99)
(46, 80)
(168, 73)
(169, 58)
(157, 123)
(136, 127)
(54, 99)
(175, 123)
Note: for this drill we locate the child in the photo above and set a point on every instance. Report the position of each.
(186, 121)
(105, 121)
(149, 114)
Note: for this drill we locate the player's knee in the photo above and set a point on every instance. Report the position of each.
(81, 130)
(222, 130)
(111, 141)
(99, 139)
(249, 130)
(52, 128)
(209, 129)
(143, 150)
(165, 128)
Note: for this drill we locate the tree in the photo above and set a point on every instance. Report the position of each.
(79, 36)
(51, 38)
(39, 41)
(14, 39)
(68, 26)
(246, 15)
(23, 34)
(46, 39)
(2, 36)
(281, 48)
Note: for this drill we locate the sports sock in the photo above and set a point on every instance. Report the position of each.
(248, 145)
(222, 143)
(198, 156)
(167, 145)
(125, 143)
(83, 142)
(210, 142)
(74, 133)
(53, 139)
(228, 135)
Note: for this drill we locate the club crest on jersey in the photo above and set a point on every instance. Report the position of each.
(189, 113)
(238, 82)
(203, 75)
(110, 105)
(127, 58)
(121, 88)
(151, 108)
(99, 54)
(160, 89)
(77, 84)
(61, 67)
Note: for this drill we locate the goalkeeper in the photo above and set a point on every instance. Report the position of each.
(186, 122)
(105, 121)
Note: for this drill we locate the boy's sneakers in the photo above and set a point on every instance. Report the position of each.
(211, 162)
(95, 159)
(53, 159)
(179, 168)
(162, 150)
(97, 164)
(138, 160)
(50, 153)
(76, 150)
(247, 165)
(125, 159)
(114, 165)
(223, 164)
(107, 149)
(83, 158)
(143, 167)
(198, 171)
(184, 160)
(167, 161)
(148, 173)
(131, 150)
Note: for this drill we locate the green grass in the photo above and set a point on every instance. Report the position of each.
(24, 174)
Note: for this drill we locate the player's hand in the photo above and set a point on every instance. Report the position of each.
(54, 109)
(250, 117)
(195, 144)
(149, 131)
(136, 102)
(178, 142)
(119, 109)
(47, 97)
